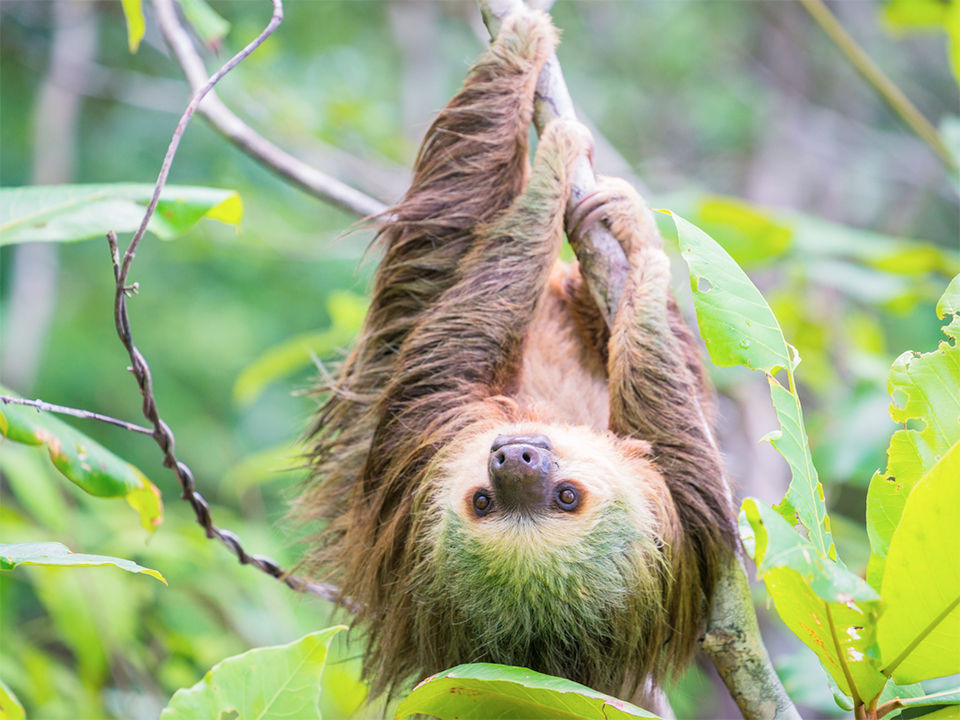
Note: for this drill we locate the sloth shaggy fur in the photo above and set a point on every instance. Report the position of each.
(476, 332)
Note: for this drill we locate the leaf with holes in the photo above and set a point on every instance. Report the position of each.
(925, 389)
(65, 213)
(919, 632)
(483, 690)
(270, 683)
(829, 608)
(739, 328)
(53, 553)
(83, 461)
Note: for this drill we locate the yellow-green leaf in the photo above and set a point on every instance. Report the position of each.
(133, 12)
(829, 608)
(925, 389)
(919, 632)
(83, 461)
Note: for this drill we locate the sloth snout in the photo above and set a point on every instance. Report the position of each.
(519, 471)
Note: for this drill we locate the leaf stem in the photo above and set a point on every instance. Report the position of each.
(876, 77)
(843, 661)
(888, 671)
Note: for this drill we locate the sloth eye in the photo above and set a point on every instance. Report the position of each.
(482, 503)
(567, 498)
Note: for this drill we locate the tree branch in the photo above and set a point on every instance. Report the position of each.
(225, 122)
(732, 640)
(86, 414)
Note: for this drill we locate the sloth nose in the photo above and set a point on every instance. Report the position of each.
(519, 471)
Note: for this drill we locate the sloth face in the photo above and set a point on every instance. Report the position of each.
(540, 484)
(547, 545)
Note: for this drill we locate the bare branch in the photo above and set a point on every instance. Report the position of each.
(224, 121)
(63, 410)
(138, 365)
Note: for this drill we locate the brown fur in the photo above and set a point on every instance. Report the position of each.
(474, 330)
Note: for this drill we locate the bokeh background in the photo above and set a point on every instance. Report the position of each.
(743, 116)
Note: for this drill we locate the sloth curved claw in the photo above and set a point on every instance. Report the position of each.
(587, 213)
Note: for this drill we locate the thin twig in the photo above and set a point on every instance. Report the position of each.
(86, 414)
(138, 365)
(876, 77)
(224, 121)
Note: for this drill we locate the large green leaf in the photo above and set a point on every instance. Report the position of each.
(84, 461)
(66, 213)
(739, 328)
(278, 683)
(53, 553)
(483, 690)
(925, 389)
(829, 608)
(919, 632)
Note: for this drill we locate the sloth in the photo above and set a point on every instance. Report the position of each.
(498, 476)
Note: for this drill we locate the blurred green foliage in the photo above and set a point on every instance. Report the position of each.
(744, 99)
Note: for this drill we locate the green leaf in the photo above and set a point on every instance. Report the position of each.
(133, 12)
(65, 213)
(829, 608)
(484, 690)
(919, 632)
(279, 682)
(10, 707)
(925, 389)
(83, 461)
(53, 553)
(739, 328)
(209, 25)
(346, 311)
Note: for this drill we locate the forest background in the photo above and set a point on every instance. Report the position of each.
(743, 116)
